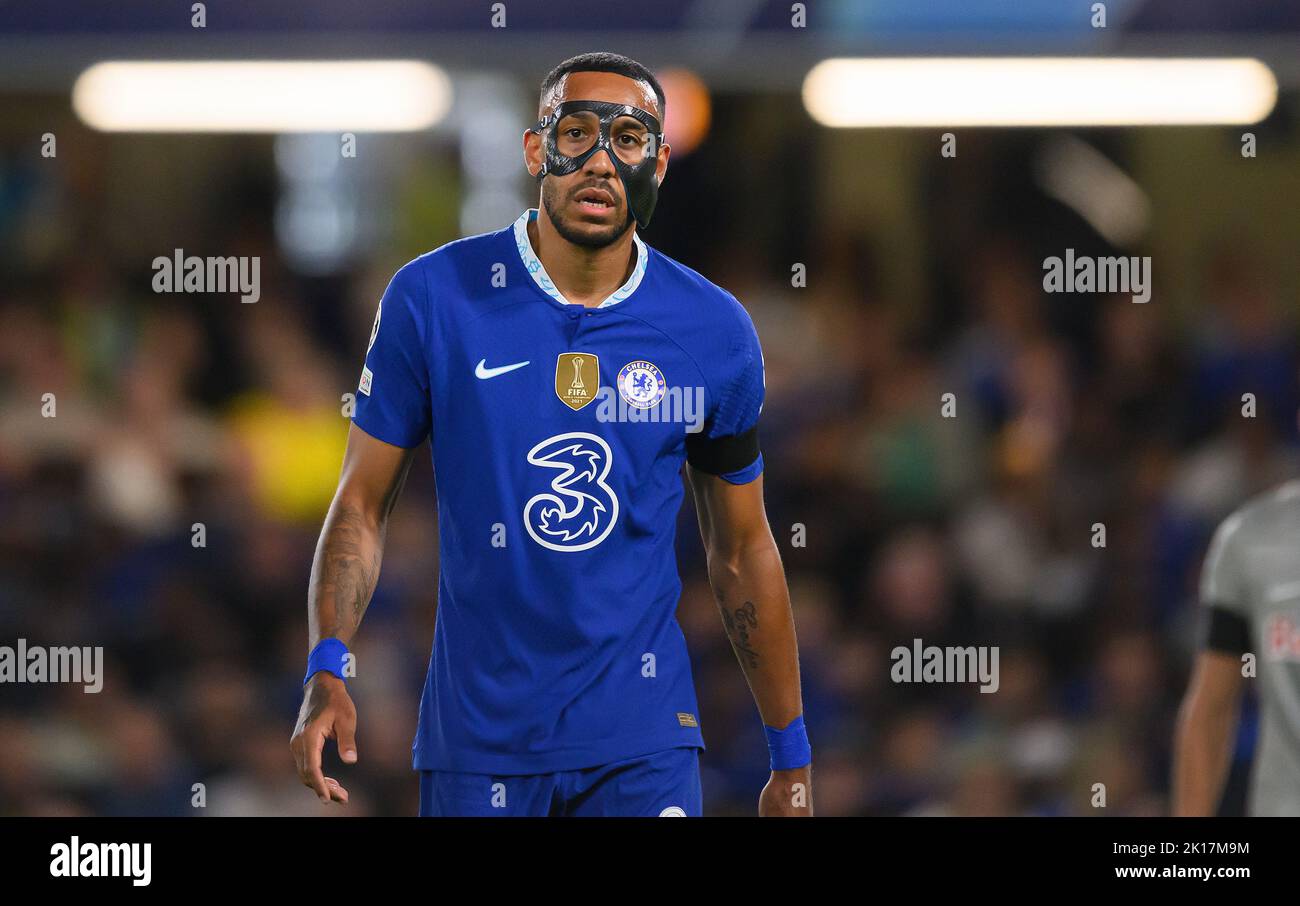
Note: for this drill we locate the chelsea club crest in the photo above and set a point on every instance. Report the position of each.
(641, 384)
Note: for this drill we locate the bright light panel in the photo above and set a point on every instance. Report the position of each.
(270, 96)
(1038, 91)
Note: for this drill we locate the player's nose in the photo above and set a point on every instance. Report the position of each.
(600, 164)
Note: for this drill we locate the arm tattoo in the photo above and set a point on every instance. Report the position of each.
(348, 575)
(740, 625)
(345, 569)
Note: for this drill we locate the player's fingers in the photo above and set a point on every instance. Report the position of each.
(311, 775)
(298, 746)
(337, 793)
(295, 748)
(345, 729)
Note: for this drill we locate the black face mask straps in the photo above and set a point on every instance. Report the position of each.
(607, 111)
(639, 182)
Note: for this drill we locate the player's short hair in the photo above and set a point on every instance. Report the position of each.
(602, 61)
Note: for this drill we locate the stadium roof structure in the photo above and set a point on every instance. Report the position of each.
(740, 43)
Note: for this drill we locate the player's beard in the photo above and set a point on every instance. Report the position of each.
(590, 239)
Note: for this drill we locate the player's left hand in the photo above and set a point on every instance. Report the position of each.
(788, 794)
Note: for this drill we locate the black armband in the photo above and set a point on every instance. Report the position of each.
(1226, 632)
(721, 455)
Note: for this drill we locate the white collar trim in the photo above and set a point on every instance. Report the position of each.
(533, 265)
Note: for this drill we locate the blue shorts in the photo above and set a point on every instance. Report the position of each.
(665, 784)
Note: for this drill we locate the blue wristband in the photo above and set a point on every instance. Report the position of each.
(328, 656)
(789, 748)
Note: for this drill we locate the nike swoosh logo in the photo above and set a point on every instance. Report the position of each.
(482, 372)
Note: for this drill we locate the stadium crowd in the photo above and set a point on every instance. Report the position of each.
(1058, 509)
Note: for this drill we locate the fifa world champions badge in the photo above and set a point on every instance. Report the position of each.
(577, 378)
(641, 384)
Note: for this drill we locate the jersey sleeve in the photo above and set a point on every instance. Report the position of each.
(1223, 592)
(727, 446)
(393, 395)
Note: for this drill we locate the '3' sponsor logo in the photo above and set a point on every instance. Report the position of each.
(579, 509)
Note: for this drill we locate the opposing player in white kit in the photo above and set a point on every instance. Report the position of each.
(1250, 588)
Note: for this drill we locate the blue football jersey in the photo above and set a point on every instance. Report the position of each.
(558, 435)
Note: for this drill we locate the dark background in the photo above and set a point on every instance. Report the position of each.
(923, 278)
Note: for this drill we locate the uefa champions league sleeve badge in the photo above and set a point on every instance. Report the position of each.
(641, 384)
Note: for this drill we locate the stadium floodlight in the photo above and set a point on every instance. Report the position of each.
(1038, 91)
(262, 96)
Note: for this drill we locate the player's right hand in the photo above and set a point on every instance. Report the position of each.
(327, 713)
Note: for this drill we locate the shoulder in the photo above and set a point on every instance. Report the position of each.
(1263, 515)
(717, 332)
(705, 319)
(444, 286)
(458, 261)
(709, 301)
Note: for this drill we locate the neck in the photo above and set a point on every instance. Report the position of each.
(586, 276)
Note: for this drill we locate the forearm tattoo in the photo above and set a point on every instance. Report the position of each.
(740, 624)
(348, 573)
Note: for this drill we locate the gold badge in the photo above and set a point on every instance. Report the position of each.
(577, 378)
(686, 719)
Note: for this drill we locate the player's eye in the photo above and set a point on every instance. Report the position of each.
(633, 141)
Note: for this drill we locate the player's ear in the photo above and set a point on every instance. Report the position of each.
(534, 153)
(661, 165)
